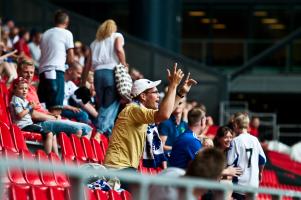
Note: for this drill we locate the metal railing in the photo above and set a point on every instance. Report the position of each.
(268, 121)
(289, 131)
(78, 177)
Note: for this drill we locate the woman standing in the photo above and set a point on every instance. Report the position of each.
(222, 141)
(106, 52)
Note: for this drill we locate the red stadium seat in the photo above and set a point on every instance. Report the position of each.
(31, 176)
(102, 195)
(90, 194)
(31, 136)
(19, 192)
(4, 114)
(78, 149)
(98, 151)
(40, 193)
(14, 174)
(113, 195)
(125, 195)
(89, 150)
(60, 178)
(105, 142)
(18, 138)
(57, 193)
(47, 177)
(6, 139)
(66, 148)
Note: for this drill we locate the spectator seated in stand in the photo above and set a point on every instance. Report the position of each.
(74, 107)
(40, 114)
(187, 144)
(21, 115)
(170, 129)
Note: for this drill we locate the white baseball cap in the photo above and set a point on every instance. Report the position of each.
(141, 85)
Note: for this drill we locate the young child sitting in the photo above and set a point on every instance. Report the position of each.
(21, 115)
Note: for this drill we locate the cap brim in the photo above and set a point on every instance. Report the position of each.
(154, 84)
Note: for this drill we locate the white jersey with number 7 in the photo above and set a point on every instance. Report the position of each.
(246, 152)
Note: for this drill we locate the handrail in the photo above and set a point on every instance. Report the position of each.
(288, 39)
(79, 175)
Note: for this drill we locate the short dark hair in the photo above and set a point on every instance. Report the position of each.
(60, 17)
(195, 115)
(207, 164)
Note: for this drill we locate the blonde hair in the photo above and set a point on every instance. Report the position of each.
(242, 120)
(106, 29)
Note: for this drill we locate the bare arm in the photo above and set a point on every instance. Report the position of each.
(86, 69)
(39, 116)
(70, 56)
(232, 171)
(183, 91)
(90, 109)
(163, 139)
(72, 108)
(167, 104)
(23, 113)
(8, 55)
(120, 51)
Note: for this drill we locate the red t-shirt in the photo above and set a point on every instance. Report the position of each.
(32, 96)
(253, 131)
(22, 46)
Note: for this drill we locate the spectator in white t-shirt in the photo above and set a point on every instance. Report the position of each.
(106, 52)
(34, 46)
(74, 107)
(246, 153)
(56, 49)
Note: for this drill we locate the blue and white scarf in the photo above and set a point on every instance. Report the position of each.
(153, 154)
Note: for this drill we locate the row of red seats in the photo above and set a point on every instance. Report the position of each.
(269, 177)
(81, 150)
(284, 162)
(26, 192)
(111, 195)
(25, 176)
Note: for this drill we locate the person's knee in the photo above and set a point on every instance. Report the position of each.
(49, 135)
(79, 133)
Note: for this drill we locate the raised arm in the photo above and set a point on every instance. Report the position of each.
(183, 91)
(167, 104)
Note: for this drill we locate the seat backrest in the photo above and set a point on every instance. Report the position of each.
(31, 176)
(40, 193)
(78, 148)
(113, 195)
(47, 177)
(98, 151)
(6, 139)
(14, 174)
(88, 150)
(90, 194)
(102, 195)
(66, 147)
(19, 192)
(18, 138)
(60, 178)
(125, 195)
(105, 142)
(4, 112)
(58, 193)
